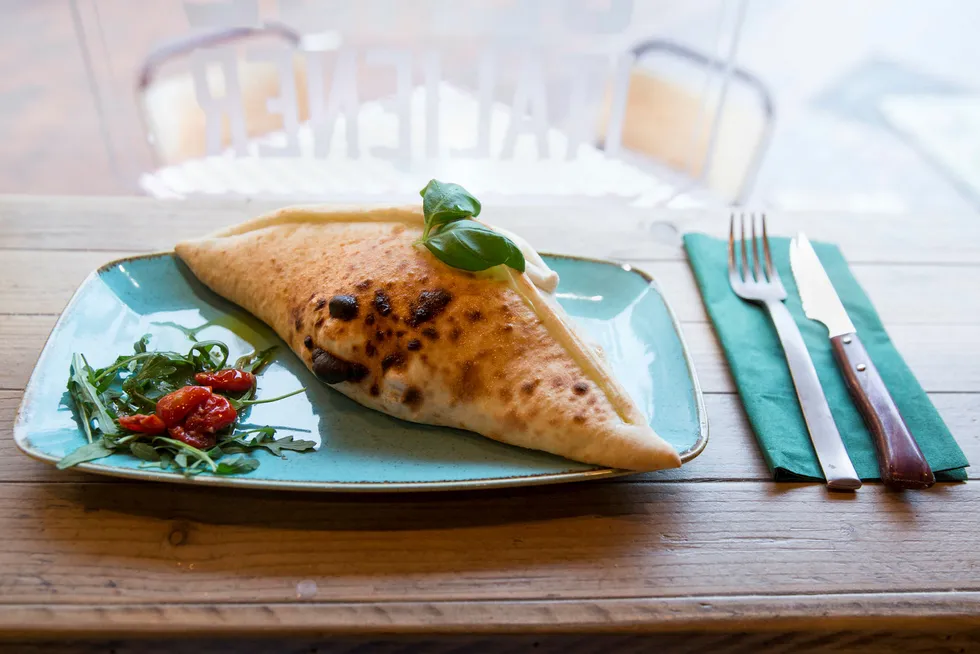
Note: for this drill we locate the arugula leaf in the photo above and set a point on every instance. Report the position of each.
(184, 451)
(202, 354)
(91, 452)
(254, 362)
(236, 465)
(275, 445)
(187, 331)
(472, 246)
(444, 203)
(144, 451)
(237, 404)
(83, 391)
(134, 383)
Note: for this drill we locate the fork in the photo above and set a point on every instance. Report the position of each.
(760, 284)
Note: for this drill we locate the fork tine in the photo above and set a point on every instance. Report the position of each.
(732, 268)
(755, 253)
(745, 254)
(770, 268)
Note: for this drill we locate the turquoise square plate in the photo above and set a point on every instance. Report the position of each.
(360, 449)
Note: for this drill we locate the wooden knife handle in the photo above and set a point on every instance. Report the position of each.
(900, 460)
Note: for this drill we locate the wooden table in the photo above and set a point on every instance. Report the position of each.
(714, 554)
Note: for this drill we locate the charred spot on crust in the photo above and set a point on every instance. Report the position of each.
(320, 304)
(579, 419)
(369, 319)
(428, 305)
(343, 307)
(375, 391)
(412, 397)
(580, 388)
(297, 313)
(363, 285)
(308, 342)
(358, 371)
(369, 349)
(414, 344)
(430, 333)
(331, 369)
(455, 334)
(399, 333)
(382, 303)
(474, 316)
(388, 332)
(468, 384)
(395, 359)
(528, 387)
(319, 322)
(380, 335)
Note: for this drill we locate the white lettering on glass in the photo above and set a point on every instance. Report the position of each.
(529, 110)
(217, 107)
(341, 101)
(401, 61)
(285, 104)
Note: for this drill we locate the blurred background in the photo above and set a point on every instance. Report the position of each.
(861, 105)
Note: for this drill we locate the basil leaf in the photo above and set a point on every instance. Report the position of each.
(92, 451)
(471, 246)
(444, 203)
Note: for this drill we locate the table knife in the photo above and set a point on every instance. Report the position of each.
(900, 460)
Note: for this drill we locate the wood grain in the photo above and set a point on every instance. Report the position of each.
(42, 281)
(732, 453)
(945, 359)
(887, 613)
(713, 548)
(135, 225)
(836, 642)
(158, 544)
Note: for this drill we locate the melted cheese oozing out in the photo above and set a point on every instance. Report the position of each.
(534, 266)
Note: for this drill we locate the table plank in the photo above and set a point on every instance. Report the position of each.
(710, 546)
(889, 613)
(55, 275)
(946, 359)
(682, 642)
(155, 543)
(732, 453)
(135, 224)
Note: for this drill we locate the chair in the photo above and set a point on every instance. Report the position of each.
(666, 120)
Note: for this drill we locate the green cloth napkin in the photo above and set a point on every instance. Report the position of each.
(764, 383)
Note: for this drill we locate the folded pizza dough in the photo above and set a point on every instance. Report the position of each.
(384, 322)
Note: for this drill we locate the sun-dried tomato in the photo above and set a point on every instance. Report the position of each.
(144, 424)
(211, 416)
(229, 379)
(174, 407)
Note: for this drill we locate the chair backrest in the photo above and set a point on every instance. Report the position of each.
(671, 120)
(514, 109)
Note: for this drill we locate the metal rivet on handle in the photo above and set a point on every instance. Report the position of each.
(861, 367)
(846, 339)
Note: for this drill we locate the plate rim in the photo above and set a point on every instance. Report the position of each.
(20, 428)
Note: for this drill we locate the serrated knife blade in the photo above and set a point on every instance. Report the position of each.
(820, 300)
